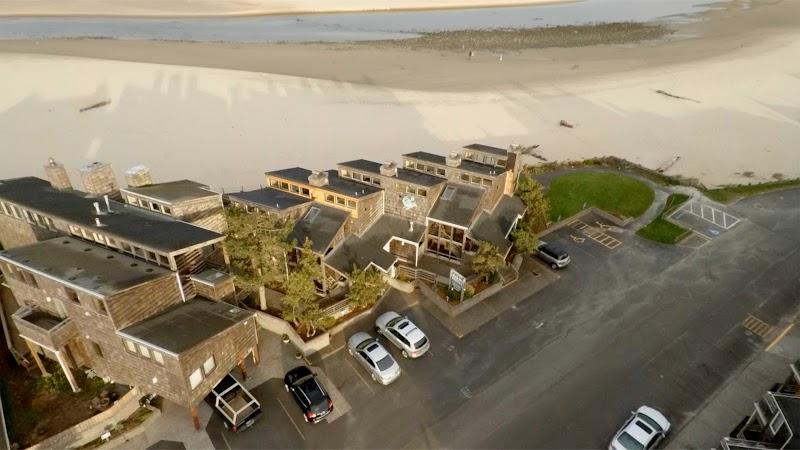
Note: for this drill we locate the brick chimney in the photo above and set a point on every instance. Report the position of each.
(389, 169)
(98, 180)
(318, 178)
(138, 176)
(57, 175)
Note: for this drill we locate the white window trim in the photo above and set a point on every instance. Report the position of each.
(195, 378)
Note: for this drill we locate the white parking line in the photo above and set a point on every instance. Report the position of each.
(708, 213)
(290, 418)
(224, 439)
(355, 369)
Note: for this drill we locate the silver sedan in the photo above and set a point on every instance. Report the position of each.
(403, 333)
(371, 354)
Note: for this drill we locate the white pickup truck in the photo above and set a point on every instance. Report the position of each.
(237, 406)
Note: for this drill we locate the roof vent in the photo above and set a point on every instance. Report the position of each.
(389, 169)
(318, 178)
(453, 159)
(98, 223)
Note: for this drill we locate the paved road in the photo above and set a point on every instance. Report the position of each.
(639, 324)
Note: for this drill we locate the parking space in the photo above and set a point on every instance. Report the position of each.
(707, 220)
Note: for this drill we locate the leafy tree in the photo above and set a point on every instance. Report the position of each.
(300, 302)
(532, 195)
(365, 287)
(487, 260)
(536, 216)
(256, 246)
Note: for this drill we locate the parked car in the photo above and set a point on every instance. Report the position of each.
(237, 406)
(644, 430)
(371, 354)
(552, 254)
(403, 333)
(312, 399)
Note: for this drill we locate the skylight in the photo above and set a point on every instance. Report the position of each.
(311, 214)
(449, 191)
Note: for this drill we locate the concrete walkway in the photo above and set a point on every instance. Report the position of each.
(734, 400)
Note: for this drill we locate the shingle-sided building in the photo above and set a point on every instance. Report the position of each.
(31, 210)
(87, 306)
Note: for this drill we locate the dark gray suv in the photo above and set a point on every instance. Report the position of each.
(553, 255)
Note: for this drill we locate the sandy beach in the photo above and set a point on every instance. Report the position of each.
(228, 8)
(315, 105)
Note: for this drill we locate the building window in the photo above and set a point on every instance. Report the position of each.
(340, 201)
(351, 204)
(154, 206)
(465, 177)
(29, 279)
(501, 162)
(209, 365)
(487, 182)
(100, 306)
(344, 173)
(131, 200)
(195, 378)
(5, 208)
(329, 198)
(440, 172)
(274, 183)
(72, 295)
(476, 180)
(158, 358)
(97, 349)
(376, 181)
(295, 188)
(144, 351)
(130, 345)
(306, 192)
(367, 179)
(166, 209)
(284, 185)
(469, 155)
(151, 256)
(422, 192)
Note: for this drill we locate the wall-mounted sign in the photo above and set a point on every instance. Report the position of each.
(457, 281)
(409, 202)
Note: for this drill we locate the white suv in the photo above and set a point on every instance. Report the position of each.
(403, 333)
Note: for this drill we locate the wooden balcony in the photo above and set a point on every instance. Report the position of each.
(44, 328)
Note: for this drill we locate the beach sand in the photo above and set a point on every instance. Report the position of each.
(219, 8)
(740, 124)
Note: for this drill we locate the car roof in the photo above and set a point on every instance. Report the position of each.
(655, 415)
(554, 248)
(638, 433)
(376, 351)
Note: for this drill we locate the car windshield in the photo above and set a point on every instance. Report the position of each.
(421, 342)
(392, 322)
(649, 421)
(629, 442)
(385, 363)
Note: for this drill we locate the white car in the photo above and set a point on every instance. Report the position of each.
(371, 354)
(403, 333)
(644, 430)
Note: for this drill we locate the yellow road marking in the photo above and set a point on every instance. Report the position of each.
(780, 336)
(757, 326)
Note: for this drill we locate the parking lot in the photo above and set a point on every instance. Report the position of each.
(626, 324)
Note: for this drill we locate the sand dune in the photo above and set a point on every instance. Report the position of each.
(175, 8)
(227, 127)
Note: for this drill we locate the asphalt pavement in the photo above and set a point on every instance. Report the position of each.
(640, 323)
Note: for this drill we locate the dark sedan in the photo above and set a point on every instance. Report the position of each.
(315, 403)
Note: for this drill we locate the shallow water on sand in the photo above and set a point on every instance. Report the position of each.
(350, 26)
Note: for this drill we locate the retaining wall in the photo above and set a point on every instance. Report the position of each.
(91, 428)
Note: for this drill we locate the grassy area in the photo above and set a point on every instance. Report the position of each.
(617, 194)
(660, 230)
(727, 194)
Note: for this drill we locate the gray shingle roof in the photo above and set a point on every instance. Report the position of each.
(173, 191)
(493, 227)
(403, 174)
(185, 325)
(268, 199)
(368, 248)
(466, 166)
(320, 227)
(126, 222)
(83, 265)
(335, 184)
(461, 207)
(487, 149)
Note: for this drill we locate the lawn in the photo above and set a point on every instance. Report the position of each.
(727, 194)
(617, 194)
(661, 230)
